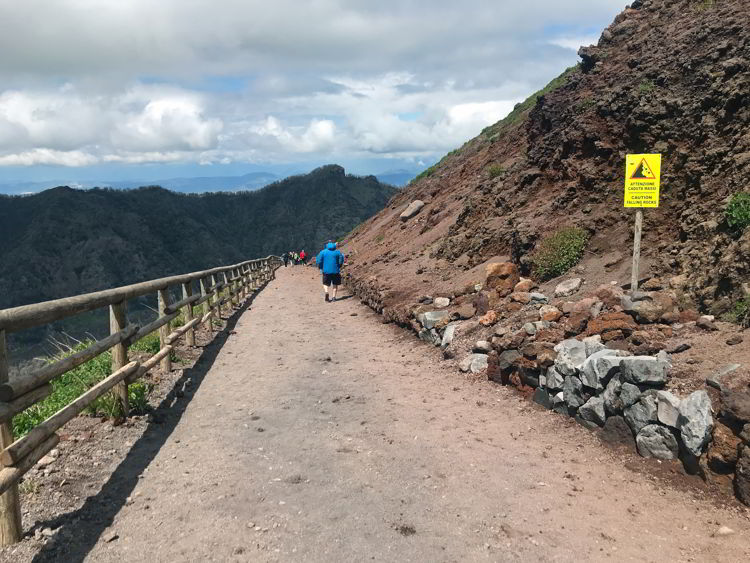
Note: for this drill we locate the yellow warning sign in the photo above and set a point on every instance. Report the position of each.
(642, 179)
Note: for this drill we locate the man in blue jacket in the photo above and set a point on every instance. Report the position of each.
(329, 261)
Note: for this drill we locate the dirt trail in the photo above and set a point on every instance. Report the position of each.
(320, 434)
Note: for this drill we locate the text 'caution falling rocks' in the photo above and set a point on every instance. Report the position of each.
(642, 180)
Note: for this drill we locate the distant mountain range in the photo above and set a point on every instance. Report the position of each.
(201, 184)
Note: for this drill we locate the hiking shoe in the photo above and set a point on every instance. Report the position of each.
(333, 299)
(327, 298)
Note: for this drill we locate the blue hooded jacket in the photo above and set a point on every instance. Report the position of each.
(330, 260)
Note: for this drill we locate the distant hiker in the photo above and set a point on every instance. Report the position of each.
(329, 261)
(286, 259)
(302, 256)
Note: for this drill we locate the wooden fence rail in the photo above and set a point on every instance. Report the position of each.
(17, 456)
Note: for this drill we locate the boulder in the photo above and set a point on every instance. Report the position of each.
(644, 370)
(706, 322)
(695, 421)
(559, 405)
(541, 397)
(432, 318)
(413, 208)
(554, 379)
(617, 432)
(611, 396)
(599, 367)
(723, 451)
(524, 286)
(537, 297)
(568, 287)
(465, 311)
(575, 324)
(609, 294)
(441, 302)
(474, 363)
(745, 434)
(657, 441)
(522, 298)
(502, 277)
(648, 307)
(593, 344)
(629, 394)
(573, 392)
(549, 313)
(430, 335)
(571, 354)
(488, 319)
(735, 405)
(742, 476)
(667, 408)
(593, 411)
(642, 413)
(609, 322)
(482, 347)
(448, 335)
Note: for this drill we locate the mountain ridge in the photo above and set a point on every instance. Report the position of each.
(65, 241)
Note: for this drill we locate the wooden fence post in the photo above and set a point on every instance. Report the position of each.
(205, 282)
(216, 294)
(166, 362)
(10, 502)
(235, 273)
(117, 321)
(187, 291)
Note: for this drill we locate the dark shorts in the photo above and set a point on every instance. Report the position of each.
(329, 279)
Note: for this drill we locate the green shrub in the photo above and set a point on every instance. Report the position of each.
(149, 344)
(738, 211)
(559, 252)
(646, 86)
(495, 170)
(71, 385)
(740, 313)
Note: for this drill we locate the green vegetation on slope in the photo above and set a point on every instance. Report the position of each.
(70, 386)
(738, 211)
(558, 252)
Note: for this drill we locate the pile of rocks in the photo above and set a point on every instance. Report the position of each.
(600, 386)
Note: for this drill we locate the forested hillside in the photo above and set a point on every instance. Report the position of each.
(63, 241)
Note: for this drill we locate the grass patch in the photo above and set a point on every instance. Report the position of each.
(495, 170)
(559, 252)
(737, 212)
(149, 343)
(740, 313)
(646, 86)
(71, 385)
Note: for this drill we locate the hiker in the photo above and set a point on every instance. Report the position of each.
(286, 259)
(302, 257)
(329, 261)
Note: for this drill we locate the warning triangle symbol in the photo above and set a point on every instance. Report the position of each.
(643, 172)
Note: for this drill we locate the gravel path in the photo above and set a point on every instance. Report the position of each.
(320, 434)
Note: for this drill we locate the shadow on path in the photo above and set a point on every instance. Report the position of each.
(81, 529)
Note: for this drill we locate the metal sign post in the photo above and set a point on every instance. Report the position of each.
(642, 183)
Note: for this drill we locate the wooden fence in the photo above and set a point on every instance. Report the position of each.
(213, 289)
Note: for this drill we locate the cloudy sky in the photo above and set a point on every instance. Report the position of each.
(144, 88)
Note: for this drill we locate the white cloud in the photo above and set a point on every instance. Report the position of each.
(249, 80)
(47, 157)
(574, 43)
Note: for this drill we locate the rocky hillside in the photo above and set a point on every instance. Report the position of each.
(63, 242)
(668, 76)
(512, 255)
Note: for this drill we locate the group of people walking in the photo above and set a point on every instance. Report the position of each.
(294, 258)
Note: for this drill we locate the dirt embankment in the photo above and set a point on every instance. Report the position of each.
(671, 77)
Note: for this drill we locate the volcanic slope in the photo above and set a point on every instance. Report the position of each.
(666, 76)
